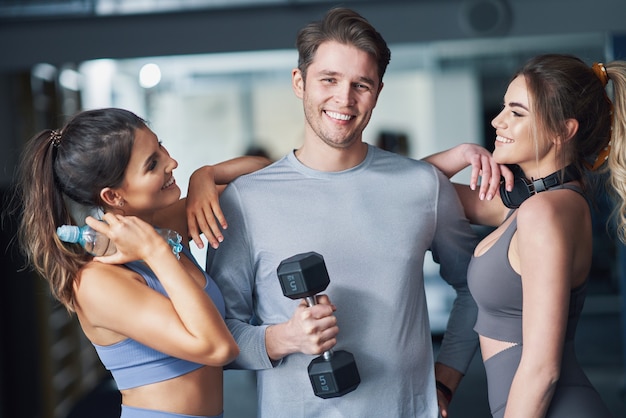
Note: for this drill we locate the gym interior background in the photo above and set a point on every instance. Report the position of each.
(213, 79)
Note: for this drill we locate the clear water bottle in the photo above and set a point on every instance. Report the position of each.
(98, 244)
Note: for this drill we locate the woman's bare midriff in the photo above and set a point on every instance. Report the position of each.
(196, 393)
(490, 347)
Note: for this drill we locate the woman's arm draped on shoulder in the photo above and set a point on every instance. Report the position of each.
(204, 214)
(455, 159)
(186, 325)
(478, 200)
(229, 170)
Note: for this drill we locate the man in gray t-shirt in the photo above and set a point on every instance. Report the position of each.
(372, 215)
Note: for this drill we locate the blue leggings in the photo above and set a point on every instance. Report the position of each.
(132, 412)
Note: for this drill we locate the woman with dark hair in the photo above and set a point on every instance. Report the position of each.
(155, 320)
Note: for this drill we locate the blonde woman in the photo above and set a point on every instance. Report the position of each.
(529, 275)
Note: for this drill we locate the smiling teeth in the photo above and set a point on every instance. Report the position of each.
(169, 183)
(339, 116)
(503, 139)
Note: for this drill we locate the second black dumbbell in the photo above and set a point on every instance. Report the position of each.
(303, 276)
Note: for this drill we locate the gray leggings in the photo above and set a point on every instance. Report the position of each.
(574, 396)
(132, 412)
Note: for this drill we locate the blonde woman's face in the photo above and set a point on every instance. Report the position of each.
(512, 125)
(518, 140)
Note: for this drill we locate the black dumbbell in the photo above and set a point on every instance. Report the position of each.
(303, 276)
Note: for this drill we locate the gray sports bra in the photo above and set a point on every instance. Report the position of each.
(497, 290)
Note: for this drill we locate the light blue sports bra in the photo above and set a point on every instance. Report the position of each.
(133, 364)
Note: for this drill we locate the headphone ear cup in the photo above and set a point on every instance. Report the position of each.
(513, 199)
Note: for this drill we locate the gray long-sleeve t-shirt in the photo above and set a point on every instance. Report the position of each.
(373, 225)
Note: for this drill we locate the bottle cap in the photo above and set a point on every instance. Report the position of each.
(176, 245)
(68, 233)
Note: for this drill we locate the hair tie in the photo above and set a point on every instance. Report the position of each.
(55, 138)
(601, 158)
(600, 72)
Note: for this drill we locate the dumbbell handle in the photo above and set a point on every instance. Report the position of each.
(311, 301)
